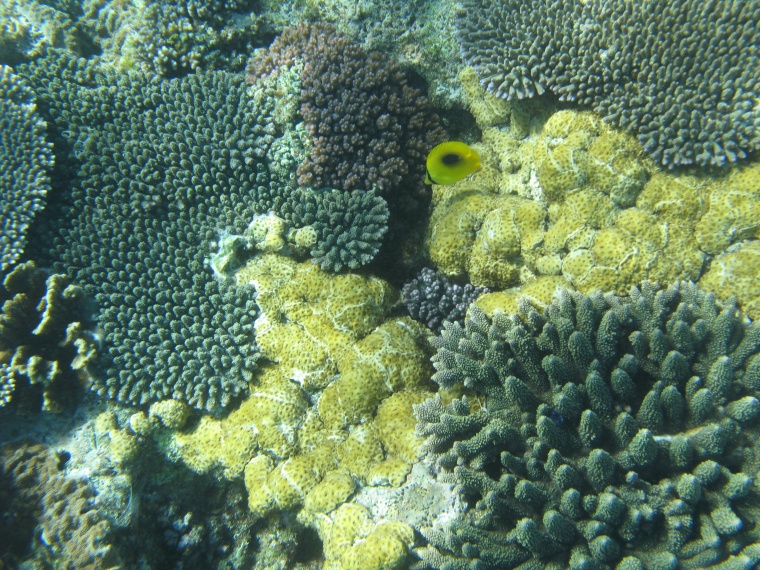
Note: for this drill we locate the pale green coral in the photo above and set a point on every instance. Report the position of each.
(737, 272)
(309, 317)
(389, 360)
(353, 541)
(600, 215)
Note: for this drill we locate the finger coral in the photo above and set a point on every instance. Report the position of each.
(681, 75)
(376, 134)
(604, 430)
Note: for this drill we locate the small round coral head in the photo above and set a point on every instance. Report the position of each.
(450, 162)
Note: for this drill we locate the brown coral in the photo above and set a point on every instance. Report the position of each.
(45, 347)
(36, 494)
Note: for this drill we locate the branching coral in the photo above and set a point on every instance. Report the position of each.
(604, 430)
(682, 75)
(25, 159)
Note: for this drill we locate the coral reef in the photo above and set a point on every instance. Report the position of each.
(47, 350)
(564, 197)
(25, 159)
(376, 135)
(146, 205)
(169, 39)
(37, 498)
(631, 64)
(348, 227)
(28, 28)
(604, 430)
(432, 298)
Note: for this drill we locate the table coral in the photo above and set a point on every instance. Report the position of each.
(139, 224)
(613, 430)
(522, 49)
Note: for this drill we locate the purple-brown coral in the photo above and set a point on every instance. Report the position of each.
(432, 298)
(371, 127)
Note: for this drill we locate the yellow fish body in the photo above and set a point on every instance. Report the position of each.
(449, 162)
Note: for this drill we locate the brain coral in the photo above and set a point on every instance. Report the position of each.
(605, 430)
(682, 75)
(25, 158)
(172, 165)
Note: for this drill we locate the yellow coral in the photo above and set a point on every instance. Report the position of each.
(736, 273)
(395, 423)
(486, 108)
(361, 450)
(675, 199)
(539, 291)
(172, 414)
(389, 472)
(285, 486)
(392, 358)
(560, 170)
(616, 165)
(734, 214)
(122, 445)
(353, 542)
(226, 445)
(309, 317)
(330, 492)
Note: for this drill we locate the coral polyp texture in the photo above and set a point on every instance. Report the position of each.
(169, 168)
(376, 134)
(432, 298)
(348, 227)
(681, 75)
(25, 159)
(603, 432)
(48, 515)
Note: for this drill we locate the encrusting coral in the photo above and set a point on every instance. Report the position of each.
(48, 515)
(579, 202)
(332, 409)
(602, 431)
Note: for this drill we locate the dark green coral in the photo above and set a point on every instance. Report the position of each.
(167, 169)
(25, 159)
(602, 431)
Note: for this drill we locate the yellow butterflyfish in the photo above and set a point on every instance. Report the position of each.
(449, 162)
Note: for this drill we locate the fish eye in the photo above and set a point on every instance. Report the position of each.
(450, 159)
